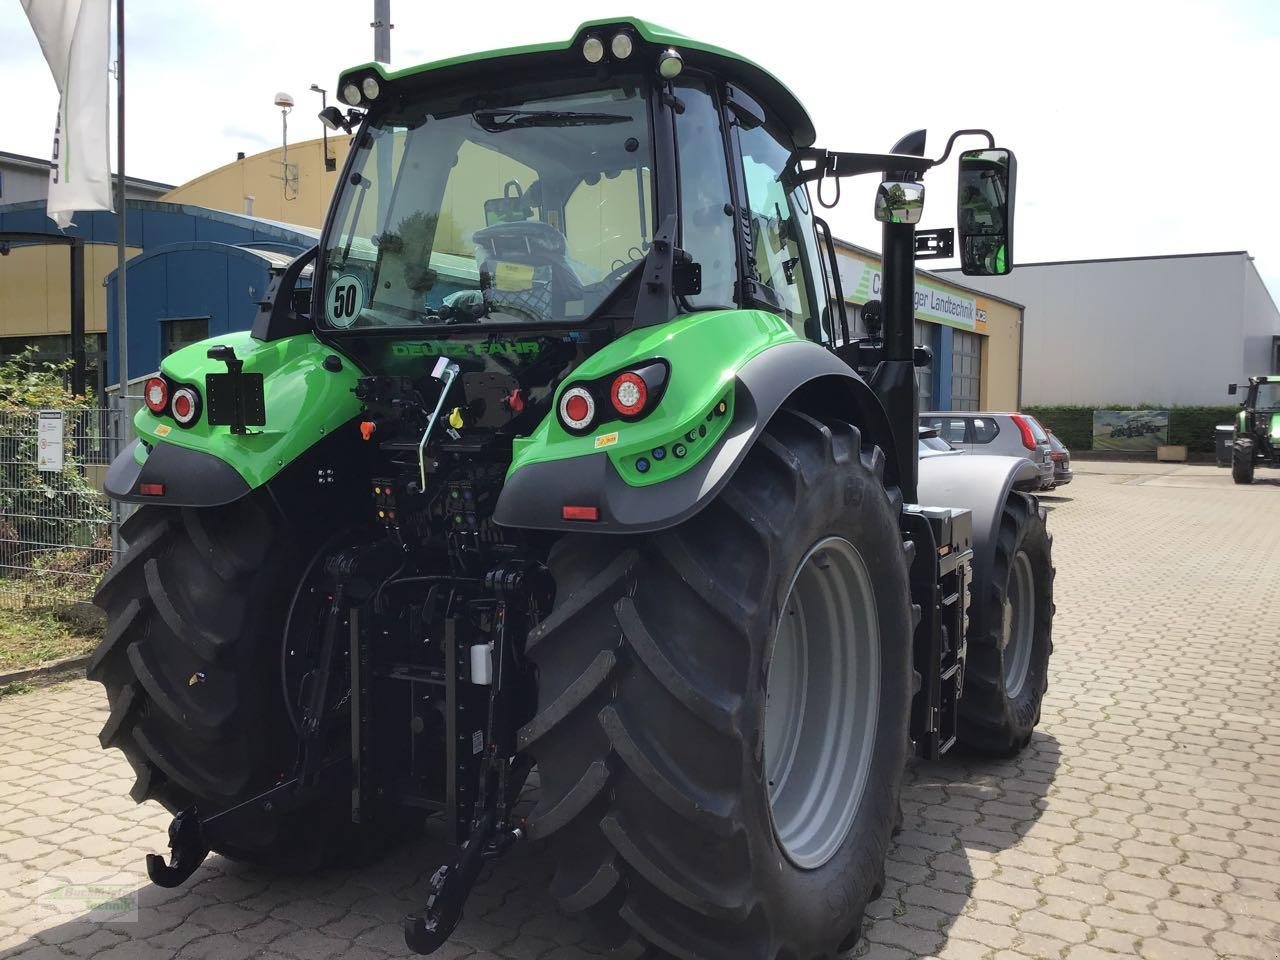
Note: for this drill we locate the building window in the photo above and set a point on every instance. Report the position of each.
(183, 332)
(926, 335)
(966, 370)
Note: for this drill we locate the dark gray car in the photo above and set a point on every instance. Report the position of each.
(1061, 457)
(1001, 434)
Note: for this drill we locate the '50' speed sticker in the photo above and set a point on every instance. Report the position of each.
(345, 300)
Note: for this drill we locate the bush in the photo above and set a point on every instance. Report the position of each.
(1189, 426)
(1072, 425)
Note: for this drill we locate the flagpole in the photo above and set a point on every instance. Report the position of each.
(122, 322)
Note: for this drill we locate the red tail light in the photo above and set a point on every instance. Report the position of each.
(628, 394)
(185, 406)
(577, 409)
(151, 489)
(1028, 440)
(580, 513)
(156, 394)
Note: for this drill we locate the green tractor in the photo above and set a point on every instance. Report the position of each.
(1257, 437)
(562, 462)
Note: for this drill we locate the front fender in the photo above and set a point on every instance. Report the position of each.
(749, 359)
(203, 465)
(980, 484)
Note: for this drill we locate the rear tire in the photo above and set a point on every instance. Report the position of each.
(1010, 635)
(1242, 460)
(651, 737)
(191, 664)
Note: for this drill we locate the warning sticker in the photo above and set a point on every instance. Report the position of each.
(512, 276)
(162, 429)
(606, 440)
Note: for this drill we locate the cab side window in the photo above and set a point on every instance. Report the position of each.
(782, 233)
(705, 199)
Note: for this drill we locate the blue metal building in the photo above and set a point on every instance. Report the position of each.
(200, 272)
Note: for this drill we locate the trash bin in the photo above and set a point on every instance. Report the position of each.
(1222, 436)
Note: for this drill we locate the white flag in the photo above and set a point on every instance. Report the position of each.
(75, 36)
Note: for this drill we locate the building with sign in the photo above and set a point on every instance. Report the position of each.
(1161, 331)
(976, 337)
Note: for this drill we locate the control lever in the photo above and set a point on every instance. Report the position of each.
(446, 371)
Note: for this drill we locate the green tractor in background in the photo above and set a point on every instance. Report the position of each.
(1257, 436)
(564, 462)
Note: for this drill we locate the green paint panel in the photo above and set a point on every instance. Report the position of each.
(704, 351)
(304, 402)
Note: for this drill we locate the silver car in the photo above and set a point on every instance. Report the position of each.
(1003, 434)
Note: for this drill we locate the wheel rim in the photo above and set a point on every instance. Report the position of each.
(822, 699)
(1019, 624)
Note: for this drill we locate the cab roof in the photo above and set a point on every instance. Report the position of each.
(756, 80)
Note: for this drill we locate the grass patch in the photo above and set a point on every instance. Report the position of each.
(29, 638)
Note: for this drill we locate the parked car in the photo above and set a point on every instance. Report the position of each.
(1061, 458)
(1001, 434)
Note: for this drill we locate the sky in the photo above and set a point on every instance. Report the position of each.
(1138, 126)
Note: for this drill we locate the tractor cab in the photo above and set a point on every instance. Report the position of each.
(481, 199)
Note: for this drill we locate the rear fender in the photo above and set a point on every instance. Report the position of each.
(750, 359)
(306, 402)
(981, 485)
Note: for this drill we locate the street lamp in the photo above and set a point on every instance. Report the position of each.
(330, 163)
(290, 172)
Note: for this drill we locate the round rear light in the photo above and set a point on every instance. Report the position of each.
(628, 394)
(184, 406)
(156, 394)
(577, 408)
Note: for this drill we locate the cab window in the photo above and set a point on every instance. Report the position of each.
(705, 196)
(782, 233)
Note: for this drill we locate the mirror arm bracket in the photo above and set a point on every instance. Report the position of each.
(976, 132)
(833, 163)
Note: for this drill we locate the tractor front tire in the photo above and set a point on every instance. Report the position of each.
(1242, 460)
(1010, 635)
(720, 757)
(191, 664)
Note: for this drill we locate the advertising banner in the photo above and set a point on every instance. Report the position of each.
(75, 38)
(1131, 431)
(934, 302)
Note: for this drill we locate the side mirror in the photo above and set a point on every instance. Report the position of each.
(984, 213)
(1231, 389)
(899, 201)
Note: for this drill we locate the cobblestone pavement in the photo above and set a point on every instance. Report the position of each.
(1144, 820)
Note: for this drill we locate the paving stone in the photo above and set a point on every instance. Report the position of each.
(1142, 821)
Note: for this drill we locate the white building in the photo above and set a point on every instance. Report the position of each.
(1169, 330)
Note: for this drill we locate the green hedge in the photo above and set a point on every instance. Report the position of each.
(1191, 426)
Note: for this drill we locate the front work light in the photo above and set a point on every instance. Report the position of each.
(670, 63)
(351, 94)
(592, 50)
(621, 45)
(370, 87)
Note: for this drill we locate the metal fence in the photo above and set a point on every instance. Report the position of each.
(58, 531)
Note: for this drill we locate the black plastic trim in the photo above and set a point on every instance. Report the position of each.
(191, 478)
